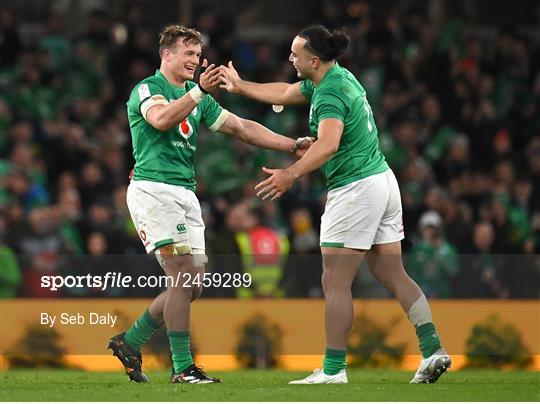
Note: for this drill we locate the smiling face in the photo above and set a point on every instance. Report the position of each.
(302, 59)
(182, 59)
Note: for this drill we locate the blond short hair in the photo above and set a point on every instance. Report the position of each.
(168, 37)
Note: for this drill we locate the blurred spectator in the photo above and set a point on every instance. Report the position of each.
(482, 274)
(100, 219)
(457, 160)
(69, 204)
(20, 189)
(437, 135)
(263, 252)
(433, 262)
(93, 185)
(458, 220)
(303, 269)
(221, 247)
(55, 43)
(40, 248)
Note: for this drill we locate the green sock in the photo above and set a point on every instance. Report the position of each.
(334, 361)
(141, 331)
(428, 338)
(181, 350)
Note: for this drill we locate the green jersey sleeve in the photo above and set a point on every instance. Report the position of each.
(331, 105)
(144, 91)
(212, 114)
(307, 88)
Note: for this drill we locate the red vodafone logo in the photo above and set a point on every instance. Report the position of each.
(185, 128)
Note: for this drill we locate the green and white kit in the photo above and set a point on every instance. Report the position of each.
(161, 197)
(364, 204)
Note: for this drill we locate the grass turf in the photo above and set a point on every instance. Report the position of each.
(257, 385)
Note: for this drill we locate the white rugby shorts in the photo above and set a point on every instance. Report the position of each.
(363, 213)
(165, 214)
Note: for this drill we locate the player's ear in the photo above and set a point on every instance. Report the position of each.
(167, 54)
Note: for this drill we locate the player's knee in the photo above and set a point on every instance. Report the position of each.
(175, 258)
(199, 258)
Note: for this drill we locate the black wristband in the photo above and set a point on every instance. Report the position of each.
(203, 90)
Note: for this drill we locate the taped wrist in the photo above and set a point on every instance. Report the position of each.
(197, 93)
(202, 89)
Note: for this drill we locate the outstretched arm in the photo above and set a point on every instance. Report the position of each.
(256, 134)
(270, 93)
(327, 144)
(280, 180)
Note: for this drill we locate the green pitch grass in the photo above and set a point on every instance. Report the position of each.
(256, 385)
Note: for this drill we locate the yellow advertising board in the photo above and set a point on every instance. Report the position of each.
(86, 325)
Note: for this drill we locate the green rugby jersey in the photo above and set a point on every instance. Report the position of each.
(168, 157)
(339, 95)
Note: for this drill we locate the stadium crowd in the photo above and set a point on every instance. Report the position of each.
(458, 113)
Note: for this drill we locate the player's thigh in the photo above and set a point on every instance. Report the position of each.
(159, 215)
(385, 262)
(340, 266)
(182, 268)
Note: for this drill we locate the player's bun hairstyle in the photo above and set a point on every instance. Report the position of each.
(325, 44)
(169, 35)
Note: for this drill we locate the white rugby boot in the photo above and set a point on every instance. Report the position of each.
(432, 368)
(319, 377)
